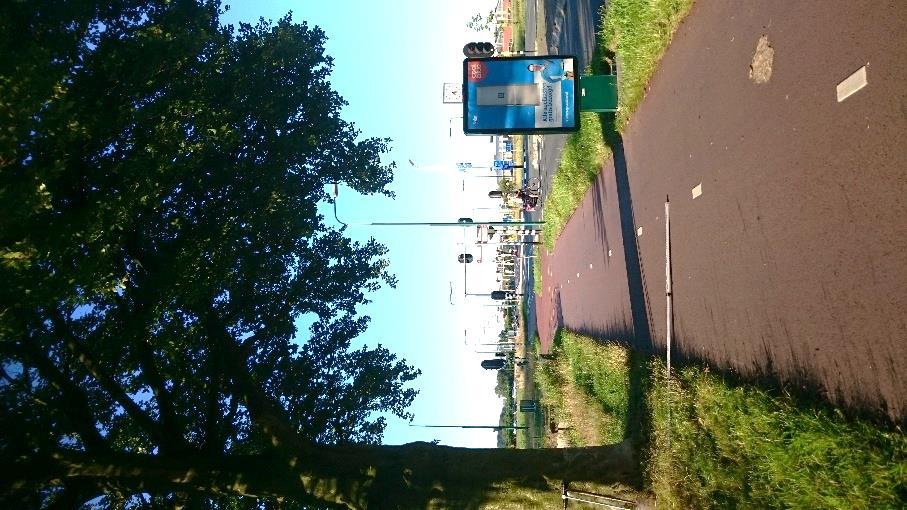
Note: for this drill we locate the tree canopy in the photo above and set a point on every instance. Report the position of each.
(159, 238)
(159, 242)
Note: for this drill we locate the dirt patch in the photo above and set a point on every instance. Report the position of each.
(761, 68)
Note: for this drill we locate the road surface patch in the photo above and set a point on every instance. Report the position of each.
(852, 84)
(761, 68)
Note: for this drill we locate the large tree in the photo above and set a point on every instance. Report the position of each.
(159, 240)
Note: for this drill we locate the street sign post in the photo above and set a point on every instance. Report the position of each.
(500, 164)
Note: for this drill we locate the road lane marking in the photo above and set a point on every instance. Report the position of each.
(697, 191)
(852, 84)
(590, 266)
(609, 253)
(577, 275)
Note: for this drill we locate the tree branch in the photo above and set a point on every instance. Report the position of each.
(128, 473)
(6, 376)
(110, 385)
(72, 496)
(170, 421)
(74, 401)
(417, 475)
(214, 440)
(263, 410)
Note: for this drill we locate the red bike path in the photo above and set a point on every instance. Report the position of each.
(792, 261)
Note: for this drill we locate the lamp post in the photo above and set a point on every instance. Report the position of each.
(450, 125)
(461, 222)
(493, 427)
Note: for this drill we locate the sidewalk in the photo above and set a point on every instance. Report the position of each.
(788, 208)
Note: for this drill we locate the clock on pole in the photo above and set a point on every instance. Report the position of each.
(453, 93)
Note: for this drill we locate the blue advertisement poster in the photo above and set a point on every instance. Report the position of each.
(520, 95)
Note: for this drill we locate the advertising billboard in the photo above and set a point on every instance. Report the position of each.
(520, 95)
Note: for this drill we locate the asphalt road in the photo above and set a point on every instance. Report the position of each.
(792, 262)
(571, 26)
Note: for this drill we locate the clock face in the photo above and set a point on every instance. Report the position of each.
(453, 93)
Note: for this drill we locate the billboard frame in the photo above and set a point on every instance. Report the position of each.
(521, 130)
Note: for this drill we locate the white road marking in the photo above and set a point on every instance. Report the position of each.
(639, 232)
(577, 275)
(697, 191)
(852, 84)
(590, 266)
(609, 253)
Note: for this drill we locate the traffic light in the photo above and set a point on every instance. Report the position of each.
(464, 258)
(493, 364)
(479, 49)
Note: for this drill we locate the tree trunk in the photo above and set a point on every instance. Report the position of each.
(416, 475)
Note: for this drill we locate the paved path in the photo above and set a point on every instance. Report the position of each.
(793, 259)
(571, 27)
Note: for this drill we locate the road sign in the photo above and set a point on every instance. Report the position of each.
(493, 364)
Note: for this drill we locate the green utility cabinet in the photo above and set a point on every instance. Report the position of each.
(598, 93)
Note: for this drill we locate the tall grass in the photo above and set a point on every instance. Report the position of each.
(518, 22)
(639, 32)
(717, 443)
(735, 446)
(587, 387)
(537, 273)
(580, 163)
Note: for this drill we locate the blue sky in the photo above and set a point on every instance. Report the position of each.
(418, 44)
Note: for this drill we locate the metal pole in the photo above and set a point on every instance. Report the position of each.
(495, 427)
(668, 287)
(622, 504)
(454, 224)
(669, 312)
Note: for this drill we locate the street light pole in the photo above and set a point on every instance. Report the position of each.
(493, 427)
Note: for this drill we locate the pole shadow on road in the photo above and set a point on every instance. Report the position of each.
(639, 298)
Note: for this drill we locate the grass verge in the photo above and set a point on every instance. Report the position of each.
(518, 22)
(581, 161)
(734, 445)
(586, 387)
(740, 446)
(639, 33)
(537, 273)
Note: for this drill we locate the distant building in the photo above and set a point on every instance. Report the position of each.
(504, 30)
